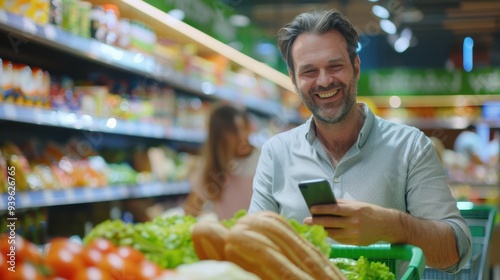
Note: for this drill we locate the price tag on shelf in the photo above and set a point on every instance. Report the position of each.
(10, 112)
(129, 127)
(47, 198)
(157, 131)
(23, 200)
(168, 131)
(70, 195)
(50, 32)
(108, 192)
(146, 129)
(29, 25)
(88, 195)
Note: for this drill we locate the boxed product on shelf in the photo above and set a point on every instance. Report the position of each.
(142, 37)
(201, 69)
(168, 52)
(36, 10)
(93, 100)
(19, 166)
(62, 96)
(24, 84)
(8, 80)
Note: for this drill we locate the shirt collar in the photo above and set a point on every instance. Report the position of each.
(310, 134)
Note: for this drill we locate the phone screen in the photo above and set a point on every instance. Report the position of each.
(317, 192)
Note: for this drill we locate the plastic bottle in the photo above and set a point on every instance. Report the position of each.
(97, 23)
(112, 15)
(70, 15)
(124, 34)
(84, 10)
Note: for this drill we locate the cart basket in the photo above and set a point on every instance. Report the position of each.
(481, 220)
(407, 262)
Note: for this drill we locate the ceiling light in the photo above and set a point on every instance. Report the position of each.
(388, 26)
(239, 20)
(395, 101)
(468, 54)
(372, 0)
(177, 13)
(380, 11)
(401, 44)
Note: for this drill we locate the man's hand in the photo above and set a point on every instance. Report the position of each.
(352, 222)
(359, 223)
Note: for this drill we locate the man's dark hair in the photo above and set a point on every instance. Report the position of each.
(318, 22)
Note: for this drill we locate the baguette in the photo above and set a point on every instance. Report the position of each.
(209, 239)
(297, 249)
(256, 253)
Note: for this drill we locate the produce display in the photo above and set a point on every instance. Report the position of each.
(63, 258)
(252, 246)
(53, 166)
(165, 241)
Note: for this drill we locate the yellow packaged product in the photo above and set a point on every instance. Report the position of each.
(37, 10)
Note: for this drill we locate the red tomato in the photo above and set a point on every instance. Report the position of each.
(64, 242)
(93, 273)
(103, 245)
(130, 253)
(63, 262)
(4, 266)
(24, 271)
(19, 249)
(5, 244)
(149, 270)
(119, 268)
(28, 252)
(92, 256)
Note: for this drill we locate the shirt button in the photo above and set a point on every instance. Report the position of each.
(336, 180)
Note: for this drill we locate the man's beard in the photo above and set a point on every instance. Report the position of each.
(348, 100)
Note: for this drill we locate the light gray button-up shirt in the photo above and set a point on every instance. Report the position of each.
(391, 165)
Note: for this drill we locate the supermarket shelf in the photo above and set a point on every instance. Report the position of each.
(167, 26)
(22, 29)
(39, 116)
(448, 123)
(44, 198)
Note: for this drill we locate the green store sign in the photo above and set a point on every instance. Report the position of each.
(428, 82)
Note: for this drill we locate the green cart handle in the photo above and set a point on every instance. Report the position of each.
(412, 254)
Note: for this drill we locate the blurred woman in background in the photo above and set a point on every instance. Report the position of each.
(223, 181)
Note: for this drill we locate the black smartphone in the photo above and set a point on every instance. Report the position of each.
(317, 191)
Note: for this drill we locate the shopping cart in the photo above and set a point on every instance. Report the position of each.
(407, 262)
(481, 220)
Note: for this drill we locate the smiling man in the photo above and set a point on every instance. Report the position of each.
(388, 180)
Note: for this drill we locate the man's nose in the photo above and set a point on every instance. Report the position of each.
(324, 79)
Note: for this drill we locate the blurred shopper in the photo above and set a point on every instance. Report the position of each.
(494, 148)
(388, 180)
(228, 161)
(468, 143)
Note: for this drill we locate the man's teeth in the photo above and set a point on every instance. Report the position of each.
(328, 94)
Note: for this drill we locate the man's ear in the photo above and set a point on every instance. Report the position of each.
(357, 65)
(290, 74)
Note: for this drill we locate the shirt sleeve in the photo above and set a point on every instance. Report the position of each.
(262, 197)
(429, 196)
